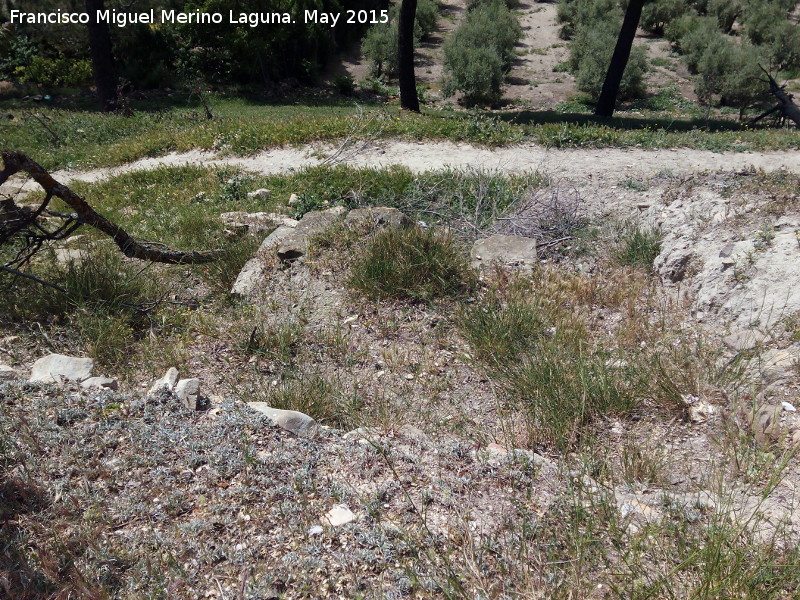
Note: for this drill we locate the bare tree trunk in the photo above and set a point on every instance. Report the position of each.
(102, 56)
(405, 47)
(622, 52)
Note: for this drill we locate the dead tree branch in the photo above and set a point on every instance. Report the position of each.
(786, 108)
(16, 221)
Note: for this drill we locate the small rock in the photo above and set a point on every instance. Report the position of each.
(100, 383)
(72, 255)
(7, 373)
(360, 433)
(239, 222)
(676, 266)
(339, 515)
(414, 433)
(788, 407)
(7, 88)
(745, 339)
(54, 367)
(380, 216)
(510, 250)
(259, 194)
(294, 199)
(315, 530)
(766, 423)
(291, 420)
(779, 364)
(169, 381)
(188, 392)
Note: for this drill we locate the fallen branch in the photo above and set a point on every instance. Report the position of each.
(786, 106)
(17, 220)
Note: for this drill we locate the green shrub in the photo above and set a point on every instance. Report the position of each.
(411, 264)
(762, 19)
(499, 330)
(56, 72)
(767, 25)
(726, 12)
(426, 19)
(473, 4)
(477, 72)
(380, 43)
(16, 51)
(479, 52)
(344, 84)
(657, 14)
(590, 56)
(380, 48)
(784, 51)
(316, 396)
(694, 34)
(730, 72)
(574, 14)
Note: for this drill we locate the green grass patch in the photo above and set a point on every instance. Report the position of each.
(411, 264)
(638, 247)
(316, 396)
(539, 338)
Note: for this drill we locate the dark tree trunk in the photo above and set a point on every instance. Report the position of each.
(405, 48)
(102, 57)
(622, 52)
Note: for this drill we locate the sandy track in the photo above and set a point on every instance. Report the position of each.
(589, 166)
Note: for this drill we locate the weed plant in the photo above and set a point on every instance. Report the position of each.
(638, 247)
(418, 265)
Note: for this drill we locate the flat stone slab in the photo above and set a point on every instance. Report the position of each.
(290, 420)
(509, 250)
(339, 515)
(55, 367)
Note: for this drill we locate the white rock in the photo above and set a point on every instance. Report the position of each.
(169, 381)
(290, 420)
(788, 407)
(414, 433)
(294, 199)
(55, 367)
(339, 515)
(101, 383)
(779, 364)
(315, 530)
(701, 412)
(511, 250)
(188, 392)
(253, 271)
(745, 339)
(7, 373)
(362, 433)
(259, 194)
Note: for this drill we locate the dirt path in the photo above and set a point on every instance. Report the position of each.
(581, 167)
